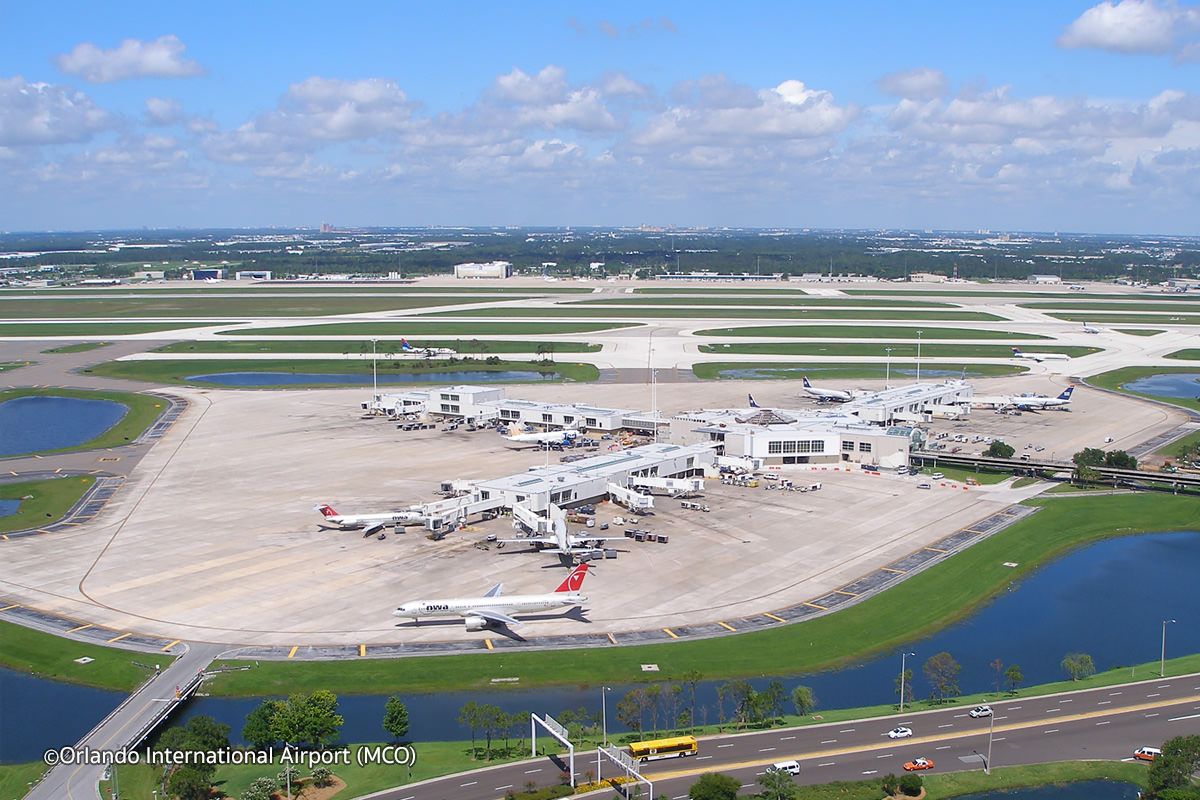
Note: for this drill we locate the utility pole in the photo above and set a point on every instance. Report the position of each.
(887, 375)
(1162, 658)
(919, 332)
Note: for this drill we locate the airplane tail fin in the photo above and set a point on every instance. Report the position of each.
(404, 345)
(327, 510)
(1016, 351)
(574, 581)
(806, 384)
(753, 404)
(1066, 395)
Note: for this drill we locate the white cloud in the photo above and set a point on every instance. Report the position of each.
(328, 108)
(921, 83)
(40, 113)
(133, 58)
(1135, 26)
(547, 86)
(163, 111)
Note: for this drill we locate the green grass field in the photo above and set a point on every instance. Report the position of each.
(918, 606)
(47, 501)
(53, 657)
(466, 347)
(1140, 331)
(1190, 354)
(220, 307)
(717, 313)
(865, 332)
(178, 372)
(9, 366)
(261, 288)
(426, 328)
(1182, 444)
(1107, 318)
(961, 474)
(800, 300)
(783, 370)
(78, 347)
(16, 778)
(44, 329)
(1007, 293)
(1125, 307)
(899, 349)
(1115, 380)
(143, 411)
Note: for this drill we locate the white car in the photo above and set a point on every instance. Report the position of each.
(937, 476)
(900, 733)
(981, 711)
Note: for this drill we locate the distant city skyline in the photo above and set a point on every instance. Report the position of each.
(1069, 116)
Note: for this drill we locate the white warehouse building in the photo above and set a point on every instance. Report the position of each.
(490, 269)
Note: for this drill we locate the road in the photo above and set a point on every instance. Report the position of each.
(78, 782)
(1106, 723)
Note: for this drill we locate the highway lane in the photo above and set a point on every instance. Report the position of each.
(1105, 723)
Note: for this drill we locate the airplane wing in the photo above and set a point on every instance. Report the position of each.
(495, 590)
(374, 527)
(494, 616)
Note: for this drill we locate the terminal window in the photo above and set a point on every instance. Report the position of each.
(864, 447)
(848, 447)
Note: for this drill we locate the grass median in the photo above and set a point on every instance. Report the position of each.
(468, 347)
(186, 372)
(900, 370)
(866, 332)
(425, 328)
(143, 411)
(220, 307)
(38, 330)
(41, 502)
(917, 607)
(9, 366)
(78, 347)
(899, 349)
(802, 300)
(618, 312)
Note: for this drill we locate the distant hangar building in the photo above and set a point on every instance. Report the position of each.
(490, 269)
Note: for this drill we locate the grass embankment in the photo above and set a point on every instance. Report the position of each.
(918, 606)
(143, 410)
(8, 366)
(708, 313)
(1125, 307)
(221, 307)
(251, 289)
(865, 332)
(802, 300)
(48, 656)
(1110, 318)
(1008, 293)
(899, 349)
(466, 347)
(44, 329)
(16, 778)
(78, 347)
(961, 474)
(178, 372)
(782, 370)
(1184, 444)
(1140, 331)
(48, 501)
(1190, 354)
(1117, 378)
(419, 328)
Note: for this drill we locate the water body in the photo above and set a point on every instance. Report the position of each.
(1079, 790)
(9, 507)
(365, 379)
(40, 713)
(35, 424)
(1167, 384)
(792, 374)
(1056, 610)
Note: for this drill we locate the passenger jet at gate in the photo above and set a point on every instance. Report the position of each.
(480, 612)
(369, 522)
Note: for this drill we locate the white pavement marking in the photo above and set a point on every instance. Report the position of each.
(828, 741)
(1177, 719)
(469, 783)
(999, 739)
(947, 725)
(1052, 730)
(785, 738)
(848, 730)
(724, 745)
(765, 749)
(1052, 710)
(1104, 702)
(943, 747)
(531, 771)
(870, 771)
(502, 788)
(701, 758)
(1105, 722)
(1153, 695)
(886, 755)
(1155, 714)
(826, 764)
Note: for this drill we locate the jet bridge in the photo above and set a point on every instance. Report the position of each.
(622, 495)
(443, 513)
(672, 486)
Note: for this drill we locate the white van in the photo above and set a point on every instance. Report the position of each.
(790, 767)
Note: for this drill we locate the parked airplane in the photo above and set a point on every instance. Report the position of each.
(480, 612)
(1040, 357)
(426, 351)
(371, 523)
(543, 439)
(1090, 328)
(827, 395)
(562, 543)
(752, 403)
(1024, 402)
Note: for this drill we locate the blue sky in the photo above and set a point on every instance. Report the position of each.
(1064, 115)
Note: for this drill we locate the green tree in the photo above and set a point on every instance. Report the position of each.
(1173, 770)
(999, 449)
(904, 685)
(941, 670)
(1089, 457)
(1119, 459)
(308, 719)
(468, 717)
(1013, 677)
(492, 721)
(910, 784)
(1078, 665)
(189, 783)
(259, 729)
(395, 718)
(692, 678)
(998, 670)
(259, 789)
(1086, 475)
(287, 777)
(321, 777)
(714, 786)
(629, 710)
(891, 785)
(772, 699)
(777, 785)
(803, 700)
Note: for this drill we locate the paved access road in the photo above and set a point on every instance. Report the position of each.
(1107, 723)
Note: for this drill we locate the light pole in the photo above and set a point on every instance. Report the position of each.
(653, 383)
(903, 673)
(1162, 658)
(919, 356)
(887, 375)
(374, 369)
(987, 765)
(604, 690)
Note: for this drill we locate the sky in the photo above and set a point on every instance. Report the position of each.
(993, 114)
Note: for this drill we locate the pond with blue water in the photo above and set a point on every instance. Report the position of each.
(1167, 384)
(1034, 623)
(247, 379)
(8, 507)
(39, 423)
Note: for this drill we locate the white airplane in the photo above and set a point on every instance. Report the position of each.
(480, 612)
(1024, 402)
(544, 439)
(371, 523)
(405, 347)
(827, 395)
(1090, 328)
(562, 543)
(1040, 357)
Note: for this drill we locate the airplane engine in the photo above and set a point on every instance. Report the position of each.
(476, 623)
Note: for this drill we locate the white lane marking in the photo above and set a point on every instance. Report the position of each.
(531, 771)
(1104, 702)
(1066, 700)
(959, 716)
(1189, 716)
(785, 738)
(1105, 722)
(724, 745)
(848, 730)
(886, 755)
(1052, 710)
(681, 797)
(828, 741)
(1015, 708)
(470, 783)
(1156, 694)
(1164, 686)
(502, 788)
(1052, 730)
(1000, 718)
(1155, 714)
(999, 739)
(943, 747)
(947, 725)
(701, 758)
(1113, 694)
(746, 785)
(826, 764)
(765, 749)
(870, 771)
